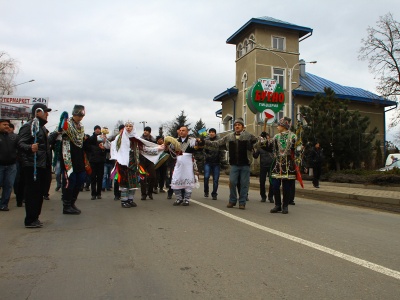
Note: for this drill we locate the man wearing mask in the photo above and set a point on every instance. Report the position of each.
(35, 157)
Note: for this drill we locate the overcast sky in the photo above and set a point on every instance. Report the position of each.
(148, 60)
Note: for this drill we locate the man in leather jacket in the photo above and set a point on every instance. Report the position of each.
(29, 149)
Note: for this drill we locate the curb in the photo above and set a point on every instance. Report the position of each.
(345, 197)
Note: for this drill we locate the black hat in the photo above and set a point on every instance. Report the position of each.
(97, 127)
(122, 126)
(147, 128)
(39, 106)
(78, 110)
(212, 130)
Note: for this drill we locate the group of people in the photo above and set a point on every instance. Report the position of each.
(134, 162)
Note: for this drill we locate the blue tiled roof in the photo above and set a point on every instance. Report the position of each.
(310, 85)
(268, 21)
(228, 92)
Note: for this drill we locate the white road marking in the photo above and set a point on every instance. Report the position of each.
(361, 262)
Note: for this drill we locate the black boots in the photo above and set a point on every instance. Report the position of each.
(275, 209)
(69, 207)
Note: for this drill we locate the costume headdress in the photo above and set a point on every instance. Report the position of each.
(78, 110)
(285, 122)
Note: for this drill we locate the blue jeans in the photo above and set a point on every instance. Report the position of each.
(7, 177)
(244, 173)
(213, 169)
(107, 181)
(57, 171)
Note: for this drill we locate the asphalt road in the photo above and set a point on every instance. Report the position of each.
(204, 251)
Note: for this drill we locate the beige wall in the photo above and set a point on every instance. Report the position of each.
(258, 63)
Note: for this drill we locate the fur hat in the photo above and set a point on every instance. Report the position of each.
(285, 122)
(104, 130)
(78, 110)
(239, 120)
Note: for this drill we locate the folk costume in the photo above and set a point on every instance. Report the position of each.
(73, 160)
(284, 169)
(183, 177)
(125, 149)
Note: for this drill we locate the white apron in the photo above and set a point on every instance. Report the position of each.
(183, 175)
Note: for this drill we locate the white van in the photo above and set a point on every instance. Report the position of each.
(392, 161)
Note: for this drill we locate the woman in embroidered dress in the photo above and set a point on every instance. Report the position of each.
(125, 150)
(284, 167)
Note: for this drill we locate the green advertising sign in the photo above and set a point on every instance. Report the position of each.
(265, 94)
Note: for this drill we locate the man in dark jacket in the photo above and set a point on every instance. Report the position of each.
(8, 160)
(240, 145)
(316, 163)
(264, 149)
(148, 184)
(97, 160)
(212, 165)
(35, 157)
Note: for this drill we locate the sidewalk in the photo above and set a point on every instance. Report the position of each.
(380, 197)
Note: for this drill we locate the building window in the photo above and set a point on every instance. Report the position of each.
(239, 51)
(252, 41)
(278, 43)
(249, 45)
(228, 123)
(279, 76)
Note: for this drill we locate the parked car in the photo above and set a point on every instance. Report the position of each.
(392, 161)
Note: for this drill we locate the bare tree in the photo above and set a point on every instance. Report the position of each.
(8, 70)
(381, 48)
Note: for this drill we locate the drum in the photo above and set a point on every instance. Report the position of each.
(162, 159)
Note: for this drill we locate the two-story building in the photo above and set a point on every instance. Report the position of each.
(269, 48)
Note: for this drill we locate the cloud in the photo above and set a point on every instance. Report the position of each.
(148, 61)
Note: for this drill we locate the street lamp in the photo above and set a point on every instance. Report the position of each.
(12, 87)
(290, 83)
(144, 124)
(290, 70)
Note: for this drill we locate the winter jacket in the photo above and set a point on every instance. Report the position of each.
(265, 151)
(240, 149)
(213, 156)
(97, 155)
(43, 155)
(8, 148)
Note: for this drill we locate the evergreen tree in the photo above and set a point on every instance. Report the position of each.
(341, 133)
(180, 120)
(378, 155)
